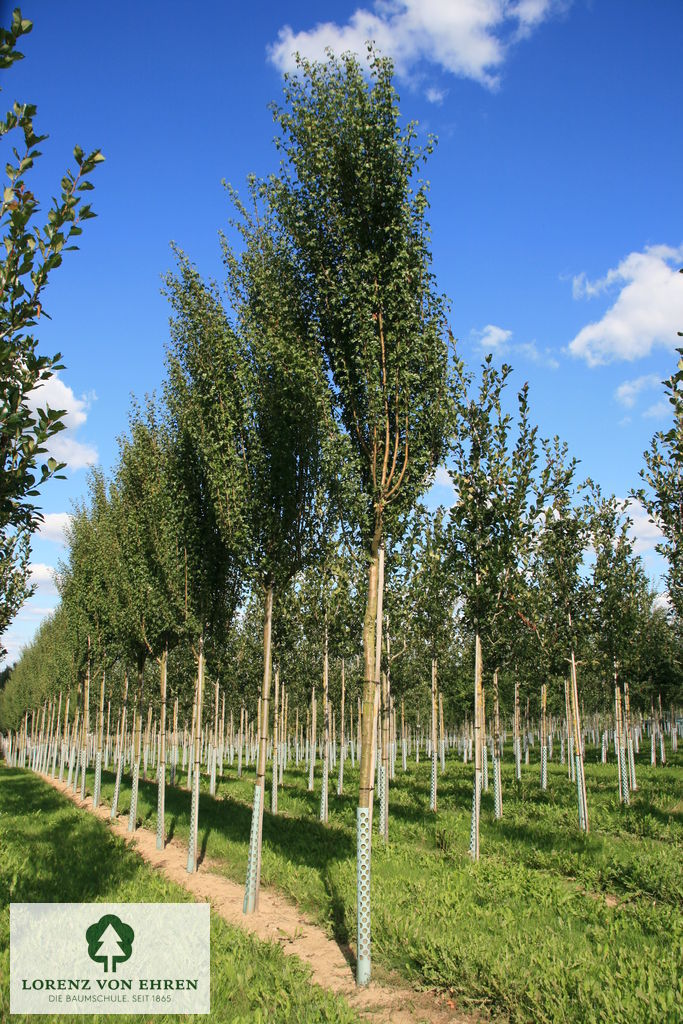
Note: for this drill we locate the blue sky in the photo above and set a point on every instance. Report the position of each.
(556, 203)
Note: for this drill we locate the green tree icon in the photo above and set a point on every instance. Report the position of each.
(110, 941)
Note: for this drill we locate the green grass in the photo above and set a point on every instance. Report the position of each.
(550, 925)
(51, 851)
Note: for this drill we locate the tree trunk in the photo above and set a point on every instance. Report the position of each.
(137, 748)
(476, 795)
(497, 780)
(342, 749)
(122, 749)
(629, 738)
(213, 743)
(161, 768)
(98, 758)
(367, 759)
(311, 729)
(254, 860)
(273, 792)
(197, 769)
(326, 728)
(544, 738)
(86, 724)
(578, 751)
(433, 778)
(384, 793)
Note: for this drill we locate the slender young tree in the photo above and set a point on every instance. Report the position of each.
(349, 199)
(288, 432)
(85, 581)
(254, 396)
(490, 522)
(153, 553)
(560, 601)
(206, 423)
(432, 590)
(663, 495)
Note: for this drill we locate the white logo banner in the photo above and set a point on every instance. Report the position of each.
(109, 958)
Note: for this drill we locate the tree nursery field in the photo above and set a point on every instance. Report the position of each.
(443, 738)
(550, 925)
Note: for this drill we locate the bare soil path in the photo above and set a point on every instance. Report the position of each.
(279, 921)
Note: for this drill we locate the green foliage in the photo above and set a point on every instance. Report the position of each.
(557, 592)
(663, 499)
(31, 254)
(349, 199)
(289, 430)
(152, 570)
(495, 509)
(204, 395)
(619, 590)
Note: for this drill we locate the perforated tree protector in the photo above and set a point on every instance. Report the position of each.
(579, 790)
(544, 767)
(134, 797)
(624, 776)
(474, 827)
(117, 786)
(252, 861)
(98, 779)
(161, 793)
(194, 812)
(497, 794)
(363, 894)
(323, 793)
(432, 784)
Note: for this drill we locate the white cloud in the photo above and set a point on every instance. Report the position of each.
(435, 95)
(628, 391)
(647, 312)
(43, 576)
(662, 601)
(74, 453)
(436, 492)
(14, 646)
(30, 612)
(497, 340)
(468, 38)
(643, 533)
(53, 526)
(660, 410)
(531, 352)
(492, 338)
(64, 446)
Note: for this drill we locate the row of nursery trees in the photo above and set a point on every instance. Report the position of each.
(266, 510)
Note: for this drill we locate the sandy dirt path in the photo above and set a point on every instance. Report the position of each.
(279, 921)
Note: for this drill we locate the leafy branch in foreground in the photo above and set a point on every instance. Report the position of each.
(31, 253)
(664, 476)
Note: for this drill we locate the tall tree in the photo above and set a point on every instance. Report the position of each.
(30, 254)
(663, 497)
(348, 197)
(288, 439)
(153, 554)
(560, 601)
(205, 397)
(432, 590)
(491, 520)
(617, 585)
